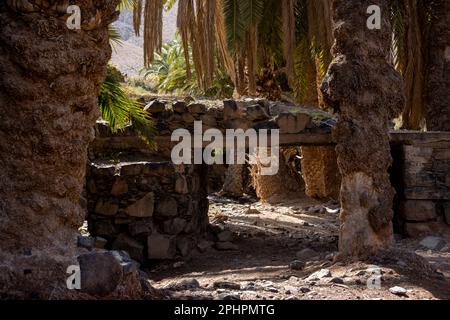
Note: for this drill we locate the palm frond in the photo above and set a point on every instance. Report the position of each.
(120, 111)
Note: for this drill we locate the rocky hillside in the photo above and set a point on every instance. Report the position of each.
(128, 57)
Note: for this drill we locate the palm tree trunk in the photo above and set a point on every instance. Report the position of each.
(50, 80)
(365, 91)
(438, 68)
(413, 72)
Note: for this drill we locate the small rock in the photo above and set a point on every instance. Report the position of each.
(337, 280)
(86, 242)
(229, 296)
(433, 243)
(106, 208)
(252, 211)
(155, 106)
(187, 284)
(142, 208)
(399, 291)
(179, 106)
(297, 265)
(128, 264)
(324, 273)
(227, 285)
(119, 188)
(256, 113)
(197, 108)
(304, 290)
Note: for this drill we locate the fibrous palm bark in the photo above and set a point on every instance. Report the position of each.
(437, 95)
(365, 91)
(49, 83)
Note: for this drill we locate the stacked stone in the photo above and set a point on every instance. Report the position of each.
(152, 210)
(235, 114)
(422, 164)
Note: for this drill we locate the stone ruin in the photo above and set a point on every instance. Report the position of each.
(139, 202)
(146, 205)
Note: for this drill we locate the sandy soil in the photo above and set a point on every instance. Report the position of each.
(269, 260)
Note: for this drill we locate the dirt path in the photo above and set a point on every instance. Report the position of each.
(286, 252)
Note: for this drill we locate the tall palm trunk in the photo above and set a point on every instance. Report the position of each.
(365, 91)
(438, 68)
(414, 67)
(49, 83)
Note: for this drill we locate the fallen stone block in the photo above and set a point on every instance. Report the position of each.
(101, 273)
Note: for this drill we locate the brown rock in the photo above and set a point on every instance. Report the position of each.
(106, 208)
(293, 123)
(119, 188)
(179, 107)
(155, 106)
(230, 110)
(256, 113)
(142, 208)
(167, 207)
(209, 120)
(101, 273)
(188, 118)
(197, 108)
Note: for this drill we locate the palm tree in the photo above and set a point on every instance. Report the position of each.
(362, 86)
(437, 93)
(247, 37)
(51, 78)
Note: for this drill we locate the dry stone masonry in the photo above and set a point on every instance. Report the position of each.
(140, 202)
(422, 180)
(144, 205)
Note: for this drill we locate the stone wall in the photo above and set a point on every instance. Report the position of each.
(151, 209)
(139, 202)
(421, 178)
